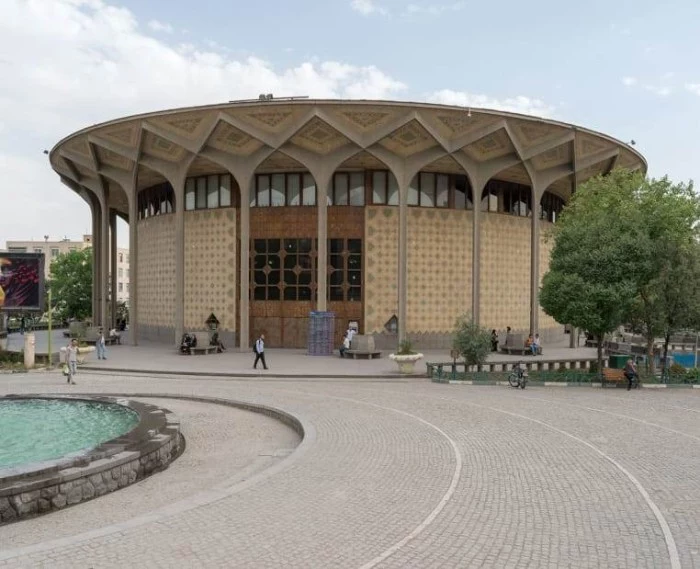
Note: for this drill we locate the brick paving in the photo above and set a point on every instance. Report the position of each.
(413, 474)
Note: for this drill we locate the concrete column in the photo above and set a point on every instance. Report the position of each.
(476, 252)
(104, 256)
(94, 207)
(113, 266)
(246, 187)
(535, 264)
(133, 270)
(403, 258)
(323, 186)
(179, 191)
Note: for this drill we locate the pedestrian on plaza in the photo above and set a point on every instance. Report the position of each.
(349, 333)
(630, 372)
(22, 324)
(494, 340)
(72, 360)
(100, 345)
(345, 346)
(259, 350)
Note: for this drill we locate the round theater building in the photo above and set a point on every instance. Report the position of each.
(397, 216)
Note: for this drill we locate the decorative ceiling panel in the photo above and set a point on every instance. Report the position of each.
(516, 174)
(201, 166)
(452, 124)
(279, 161)
(79, 145)
(184, 124)
(270, 118)
(113, 159)
(587, 144)
(562, 188)
(489, 147)
(408, 139)
(162, 148)
(533, 132)
(147, 178)
(319, 137)
(124, 134)
(628, 159)
(444, 165)
(230, 139)
(363, 118)
(363, 160)
(555, 157)
(587, 173)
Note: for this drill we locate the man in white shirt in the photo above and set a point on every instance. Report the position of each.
(260, 352)
(349, 334)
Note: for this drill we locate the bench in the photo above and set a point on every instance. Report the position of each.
(203, 350)
(612, 376)
(369, 354)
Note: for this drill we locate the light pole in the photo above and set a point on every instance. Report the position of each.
(50, 322)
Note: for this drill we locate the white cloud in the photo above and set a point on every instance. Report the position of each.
(660, 90)
(435, 9)
(157, 26)
(367, 7)
(693, 88)
(517, 104)
(78, 62)
(629, 81)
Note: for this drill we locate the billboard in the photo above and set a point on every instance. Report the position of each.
(21, 281)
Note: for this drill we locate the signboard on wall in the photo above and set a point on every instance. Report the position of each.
(21, 282)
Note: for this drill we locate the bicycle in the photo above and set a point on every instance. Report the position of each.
(518, 377)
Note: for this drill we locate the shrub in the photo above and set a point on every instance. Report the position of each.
(472, 342)
(405, 348)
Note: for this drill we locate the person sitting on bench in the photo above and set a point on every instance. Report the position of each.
(535, 345)
(345, 346)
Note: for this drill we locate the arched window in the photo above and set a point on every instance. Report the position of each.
(551, 206)
(156, 200)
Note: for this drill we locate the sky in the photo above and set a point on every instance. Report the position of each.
(627, 68)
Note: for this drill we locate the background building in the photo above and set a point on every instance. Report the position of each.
(52, 249)
(399, 216)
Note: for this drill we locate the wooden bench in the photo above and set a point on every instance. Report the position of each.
(203, 350)
(612, 376)
(363, 354)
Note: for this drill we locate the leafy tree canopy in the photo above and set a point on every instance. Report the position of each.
(71, 284)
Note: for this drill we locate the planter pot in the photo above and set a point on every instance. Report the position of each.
(406, 362)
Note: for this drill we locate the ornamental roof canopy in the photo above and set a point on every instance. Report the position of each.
(131, 153)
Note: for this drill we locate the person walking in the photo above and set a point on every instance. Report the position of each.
(630, 372)
(72, 360)
(259, 349)
(100, 345)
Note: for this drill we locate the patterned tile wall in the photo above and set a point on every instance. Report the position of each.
(156, 271)
(546, 321)
(439, 268)
(210, 268)
(505, 271)
(381, 266)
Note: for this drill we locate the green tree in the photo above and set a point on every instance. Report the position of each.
(472, 342)
(71, 284)
(667, 298)
(598, 256)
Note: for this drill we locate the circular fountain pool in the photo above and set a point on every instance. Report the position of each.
(36, 430)
(59, 451)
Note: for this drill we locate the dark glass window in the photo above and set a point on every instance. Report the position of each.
(156, 200)
(344, 280)
(551, 207)
(282, 269)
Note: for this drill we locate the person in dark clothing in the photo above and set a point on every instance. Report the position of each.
(630, 372)
(259, 349)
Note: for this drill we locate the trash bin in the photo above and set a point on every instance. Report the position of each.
(618, 361)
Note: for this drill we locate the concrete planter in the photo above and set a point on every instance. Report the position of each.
(406, 362)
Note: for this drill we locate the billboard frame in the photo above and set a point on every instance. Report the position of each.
(12, 255)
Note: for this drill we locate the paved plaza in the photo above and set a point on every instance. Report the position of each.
(390, 473)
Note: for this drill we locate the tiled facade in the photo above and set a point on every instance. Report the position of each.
(546, 321)
(381, 266)
(210, 268)
(156, 270)
(505, 271)
(439, 269)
